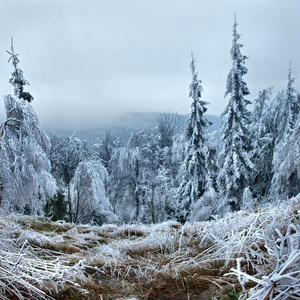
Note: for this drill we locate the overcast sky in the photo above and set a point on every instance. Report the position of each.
(88, 61)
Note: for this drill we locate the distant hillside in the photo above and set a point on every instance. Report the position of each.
(132, 122)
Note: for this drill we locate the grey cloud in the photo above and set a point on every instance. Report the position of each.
(89, 61)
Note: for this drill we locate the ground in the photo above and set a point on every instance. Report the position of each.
(221, 259)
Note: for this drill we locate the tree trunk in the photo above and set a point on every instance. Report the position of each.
(152, 204)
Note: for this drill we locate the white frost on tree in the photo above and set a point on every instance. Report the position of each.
(65, 155)
(193, 174)
(286, 109)
(286, 160)
(25, 167)
(162, 196)
(26, 180)
(124, 183)
(286, 179)
(90, 203)
(18, 81)
(263, 146)
(234, 161)
(205, 207)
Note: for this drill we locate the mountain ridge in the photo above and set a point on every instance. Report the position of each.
(128, 123)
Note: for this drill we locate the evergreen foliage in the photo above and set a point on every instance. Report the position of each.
(286, 179)
(56, 207)
(18, 81)
(194, 176)
(286, 108)
(263, 145)
(234, 161)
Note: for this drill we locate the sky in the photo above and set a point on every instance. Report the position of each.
(90, 61)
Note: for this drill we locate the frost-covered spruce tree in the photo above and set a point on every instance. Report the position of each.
(286, 110)
(234, 161)
(193, 174)
(26, 181)
(263, 148)
(286, 179)
(18, 81)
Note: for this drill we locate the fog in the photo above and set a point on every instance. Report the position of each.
(88, 62)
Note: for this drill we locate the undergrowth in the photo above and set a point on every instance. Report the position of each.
(245, 255)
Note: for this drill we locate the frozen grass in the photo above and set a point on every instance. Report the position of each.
(27, 269)
(255, 253)
(282, 260)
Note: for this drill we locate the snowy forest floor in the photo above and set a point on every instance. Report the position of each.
(255, 255)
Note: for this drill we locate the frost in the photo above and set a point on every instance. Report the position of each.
(260, 246)
(89, 202)
(235, 159)
(25, 167)
(194, 177)
(23, 270)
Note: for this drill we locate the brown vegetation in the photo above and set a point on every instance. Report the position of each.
(162, 261)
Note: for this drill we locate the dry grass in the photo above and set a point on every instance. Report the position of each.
(254, 255)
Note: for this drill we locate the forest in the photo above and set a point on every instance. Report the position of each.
(169, 205)
(160, 173)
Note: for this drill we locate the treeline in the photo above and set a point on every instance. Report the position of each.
(159, 174)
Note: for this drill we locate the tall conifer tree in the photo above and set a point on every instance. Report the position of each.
(25, 181)
(286, 179)
(286, 110)
(263, 145)
(234, 161)
(193, 173)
